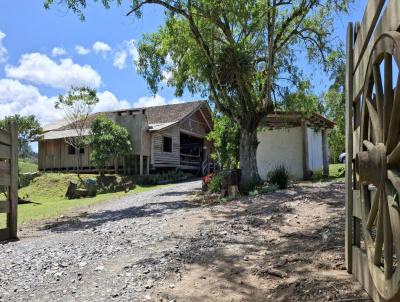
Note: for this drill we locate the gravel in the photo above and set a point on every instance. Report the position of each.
(117, 252)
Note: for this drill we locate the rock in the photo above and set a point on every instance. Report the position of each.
(99, 268)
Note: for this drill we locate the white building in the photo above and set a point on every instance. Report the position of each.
(295, 141)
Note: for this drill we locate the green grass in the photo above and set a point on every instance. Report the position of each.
(335, 169)
(26, 166)
(45, 196)
(334, 173)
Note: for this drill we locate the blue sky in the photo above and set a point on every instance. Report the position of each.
(43, 52)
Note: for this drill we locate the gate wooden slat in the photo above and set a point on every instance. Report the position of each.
(4, 234)
(5, 137)
(4, 173)
(361, 272)
(371, 16)
(13, 192)
(5, 152)
(390, 21)
(357, 204)
(4, 206)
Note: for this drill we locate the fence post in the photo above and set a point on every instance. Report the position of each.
(13, 191)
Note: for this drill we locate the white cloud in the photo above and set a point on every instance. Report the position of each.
(126, 50)
(58, 51)
(17, 98)
(156, 100)
(109, 102)
(120, 59)
(101, 48)
(40, 69)
(82, 50)
(3, 50)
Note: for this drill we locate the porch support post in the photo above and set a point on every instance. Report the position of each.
(306, 167)
(148, 165)
(141, 164)
(325, 152)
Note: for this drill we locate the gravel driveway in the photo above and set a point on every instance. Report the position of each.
(118, 251)
(167, 245)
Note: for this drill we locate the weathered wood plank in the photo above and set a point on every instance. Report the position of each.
(367, 26)
(357, 211)
(349, 149)
(5, 151)
(13, 192)
(4, 137)
(4, 206)
(4, 234)
(4, 173)
(390, 21)
(361, 272)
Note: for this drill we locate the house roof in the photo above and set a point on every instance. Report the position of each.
(57, 134)
(283, 119)
(158, 117)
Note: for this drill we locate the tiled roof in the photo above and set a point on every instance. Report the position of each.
(166, 114)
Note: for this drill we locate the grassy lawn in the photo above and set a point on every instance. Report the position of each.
(335, 169)
(26, 166)
(45, 197)
(334, 173)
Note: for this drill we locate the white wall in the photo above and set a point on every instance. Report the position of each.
(280, 146)
(315, 156)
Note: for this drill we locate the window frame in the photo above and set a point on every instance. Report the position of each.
(164, 145)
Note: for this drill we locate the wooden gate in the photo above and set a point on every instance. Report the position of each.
(9, 181)
(373, 150)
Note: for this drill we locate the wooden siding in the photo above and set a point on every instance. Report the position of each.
(53, 155)
(166, 159)
(194, 124)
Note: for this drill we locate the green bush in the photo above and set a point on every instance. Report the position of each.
(279, 176)
(215, 185)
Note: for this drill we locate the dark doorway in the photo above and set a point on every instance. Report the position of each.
(191, 151)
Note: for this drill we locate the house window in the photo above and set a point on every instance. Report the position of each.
(167, 144)
(72, 150)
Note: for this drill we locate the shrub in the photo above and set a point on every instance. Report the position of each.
(215, 184)
(279, 176)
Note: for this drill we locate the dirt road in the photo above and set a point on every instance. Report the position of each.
(166, 245)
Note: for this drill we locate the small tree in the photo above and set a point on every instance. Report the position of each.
(77, 106)
(29, 130)
(226, 139)
(109, 141)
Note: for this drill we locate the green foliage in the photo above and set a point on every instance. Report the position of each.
(279, 176)
(335, 104)
(215, 185)
(303, 100)
(225, 137)
(239, 53)
(27, 166)
(108, 141)
(29, 130)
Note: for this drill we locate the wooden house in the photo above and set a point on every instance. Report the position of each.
(163, 137)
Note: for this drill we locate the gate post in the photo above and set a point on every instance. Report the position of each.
(13, 189)
(349, 147)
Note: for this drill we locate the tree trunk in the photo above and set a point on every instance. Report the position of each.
(248, 161)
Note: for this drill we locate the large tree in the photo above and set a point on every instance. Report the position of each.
(239, 53)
